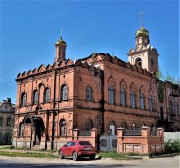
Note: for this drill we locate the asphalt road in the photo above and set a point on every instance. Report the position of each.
(20, 162)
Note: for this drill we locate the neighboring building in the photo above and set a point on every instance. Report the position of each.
(7, 110)
(100, 91)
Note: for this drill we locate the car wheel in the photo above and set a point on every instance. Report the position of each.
(61, 154)
(92, 157)
(75, 156)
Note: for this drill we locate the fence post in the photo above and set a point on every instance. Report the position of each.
(75, 132)
(160, 133)
(94, 133)
(120, 133)
(145, 132)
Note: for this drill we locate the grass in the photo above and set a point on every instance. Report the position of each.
(120, 156)
(28, 154)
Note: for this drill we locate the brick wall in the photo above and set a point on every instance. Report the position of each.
(145, 143)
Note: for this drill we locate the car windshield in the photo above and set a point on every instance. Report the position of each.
(81, 143)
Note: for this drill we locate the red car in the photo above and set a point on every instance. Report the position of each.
(77, 149)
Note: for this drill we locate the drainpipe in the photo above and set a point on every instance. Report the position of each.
(102, 100)
(54, 105)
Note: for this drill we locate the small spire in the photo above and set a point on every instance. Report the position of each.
(141, 18)
(61, 34)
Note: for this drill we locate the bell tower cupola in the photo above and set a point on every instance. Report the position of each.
(144, 55)
(60, 50)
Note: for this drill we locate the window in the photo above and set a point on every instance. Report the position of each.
(47, 95)
(89, 125)
(124, 125)
(62, 129)
(111, 95)
(142, 101)
(122, 97)
(89, 93)
(8, 121)
(23, 99)
(132, 99)
(138, 62)
(35, 97)
(1, 121)
(81, 143)
(64, 95)
(150, 104)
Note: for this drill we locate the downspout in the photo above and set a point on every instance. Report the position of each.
(54, 105)
(102, 100)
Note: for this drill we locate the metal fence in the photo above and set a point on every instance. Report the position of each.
(84, 133)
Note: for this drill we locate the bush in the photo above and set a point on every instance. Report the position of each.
(172, 146)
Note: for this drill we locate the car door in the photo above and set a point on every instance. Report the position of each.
(66, 149)
(71, 148)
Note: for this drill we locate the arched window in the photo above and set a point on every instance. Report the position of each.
(62, 125)
(23, 99)
(138, 62)
(89, 93)
(124, 125)
(142, 100)
(122, 97)
(35, 97)
(111, 95)
(64, 92)
(132, 99)
(89, 125)
(47, 95)
(150, 104)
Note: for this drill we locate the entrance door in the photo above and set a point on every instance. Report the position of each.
(39, 129)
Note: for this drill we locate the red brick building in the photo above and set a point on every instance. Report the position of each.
(100, 91)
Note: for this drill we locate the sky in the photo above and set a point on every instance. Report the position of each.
(30, 28)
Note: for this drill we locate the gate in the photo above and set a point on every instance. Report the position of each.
(108, 143)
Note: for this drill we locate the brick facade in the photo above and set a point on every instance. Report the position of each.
(100, 91)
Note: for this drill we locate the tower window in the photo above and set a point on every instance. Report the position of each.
(138, 62)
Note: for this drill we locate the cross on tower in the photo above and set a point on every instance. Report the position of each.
(141, 17)
(61, 32)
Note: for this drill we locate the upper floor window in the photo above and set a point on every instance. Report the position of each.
(132, 99)
(35, 97)
(122, 97)
(1, 121)
(89, 93)
(23, 99)
(150, 104)
(47, 95)
(142, 101)
(8, 123)
(111, 95)
(64, 92)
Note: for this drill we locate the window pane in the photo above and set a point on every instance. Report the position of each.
(64, 92)
(47, 95)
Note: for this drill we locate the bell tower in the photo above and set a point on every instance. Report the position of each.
(144, 55)
(60, 50)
